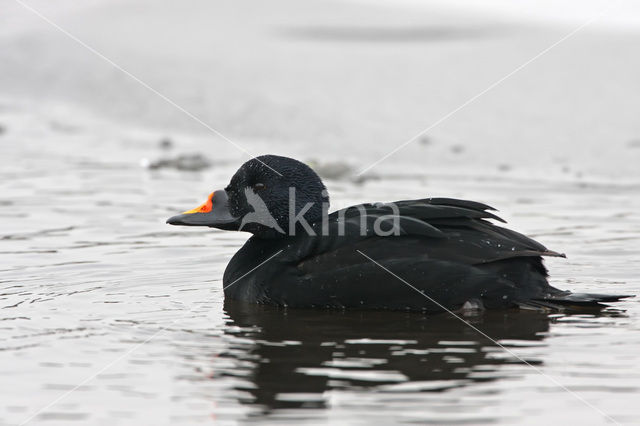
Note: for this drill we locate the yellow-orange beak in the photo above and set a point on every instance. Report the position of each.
(213, 213)
(203, 208)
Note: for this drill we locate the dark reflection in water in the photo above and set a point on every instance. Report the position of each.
(291, 357)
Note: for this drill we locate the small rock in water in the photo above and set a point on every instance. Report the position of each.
(360, 179)
(504, 167)
(188, 162)
(457, 149)
(425, 140)
(165, 143)
(331, 170)
(64, 127)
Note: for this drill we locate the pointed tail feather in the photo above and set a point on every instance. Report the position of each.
(583, 299)
(572, 302)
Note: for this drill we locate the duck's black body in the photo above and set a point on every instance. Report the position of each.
(445, 255)
(449, 252)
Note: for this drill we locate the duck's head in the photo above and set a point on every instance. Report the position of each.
(269, 196)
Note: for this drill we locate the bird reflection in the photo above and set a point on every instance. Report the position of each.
(288, 356)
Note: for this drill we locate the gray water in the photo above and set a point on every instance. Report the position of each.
(110, 316)
(113, 316)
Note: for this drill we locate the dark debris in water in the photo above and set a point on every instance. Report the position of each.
(385, 33)
(339, 170)
(64, 127)
(3, 129)
(332, 169)
(425, 140)
(184, 162)
(165, 143)
(457, 149)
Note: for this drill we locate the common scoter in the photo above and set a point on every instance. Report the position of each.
(430, 255)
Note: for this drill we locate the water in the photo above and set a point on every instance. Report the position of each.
(110, 316)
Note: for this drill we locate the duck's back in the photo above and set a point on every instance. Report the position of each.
(442, 254)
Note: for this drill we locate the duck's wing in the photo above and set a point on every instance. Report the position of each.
(445, 228)
(444, 254)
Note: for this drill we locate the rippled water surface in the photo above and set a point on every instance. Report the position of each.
(109, 316)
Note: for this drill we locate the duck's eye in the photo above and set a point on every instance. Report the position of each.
(259, 186)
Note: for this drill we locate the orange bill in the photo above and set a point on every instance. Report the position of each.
(204, 208)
